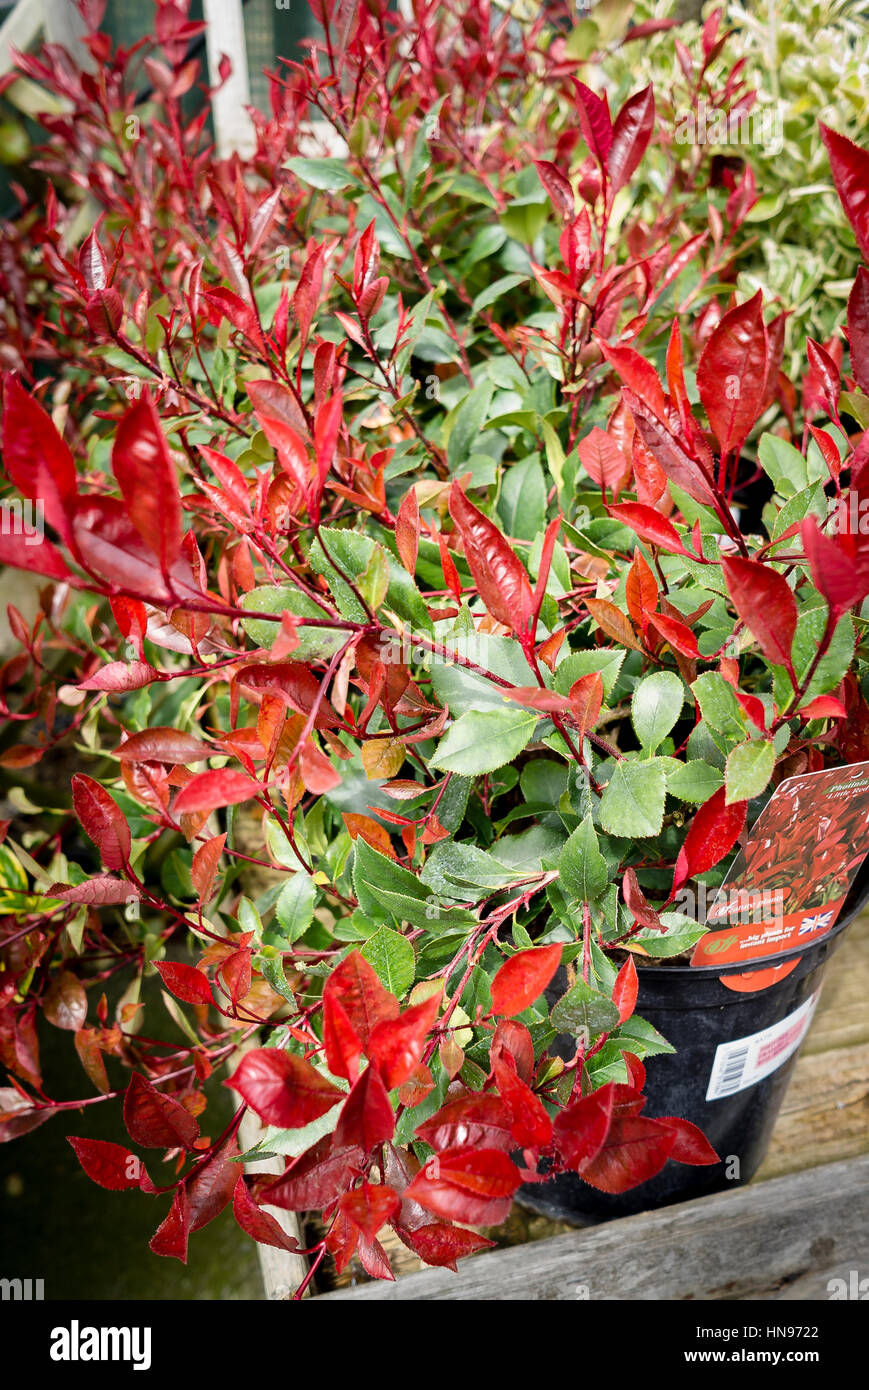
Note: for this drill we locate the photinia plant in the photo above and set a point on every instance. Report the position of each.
(404, 551)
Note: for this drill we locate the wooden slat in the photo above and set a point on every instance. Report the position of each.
(19, 29)
(282, 1271)
(842, 1017)
(773, 1241)
(225, 34)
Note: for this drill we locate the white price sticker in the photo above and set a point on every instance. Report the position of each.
(743, 1062)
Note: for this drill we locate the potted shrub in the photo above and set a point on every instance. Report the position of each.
(416, 537)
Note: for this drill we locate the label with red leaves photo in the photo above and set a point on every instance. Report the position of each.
(788, 884)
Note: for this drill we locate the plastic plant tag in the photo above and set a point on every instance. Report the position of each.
(788, 884)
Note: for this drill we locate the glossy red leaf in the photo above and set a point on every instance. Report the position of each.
(477, 1120)
(834, 574)
(713, 832)
(209, 790)
(650, 525)
(635, 901)
(145, 473)
(170, 1238)
(108, 1165)
(119, 676)
(367, 1117)
(407, 530)
(603, 460)
(156, 1121)
(211, 1186)
(765, 603)
(283, 1088)
(513, 1037)
(691, 1144)
(396, 1045)
(850, 166)
(632, 131)
(340, 1039)
(356, 986)
(557, 185)
(102, 819)
(162, 745)
(676, 633)
(370, 1206)
(475, 1186)
(823, 707)
(257, 1223)
(498, 574)
(523, 978)
(731, 373)
(580, 1129)
(595, 122)
(185, 982)
(530, 1125)
(625, 990)
(316, 1178)
(37, 460)
(634, 1150)
(442, 1245)
(204, 866)
(637, 374)
(686, 472)
(101, 891)
(858, 328)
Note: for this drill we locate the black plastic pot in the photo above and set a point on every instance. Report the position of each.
(697, 1014)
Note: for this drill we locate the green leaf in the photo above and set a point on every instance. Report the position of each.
(328, 174)
(494, 291)
(465, 690)
(466, 424)
(783, 464)
(392, 957)
(694, 781)
(719, 705)
(832, 667)
(351, 554)
(608, 663)
(294, 909)
(464, 872)
(585, 1013)
(655, 706)
(481, 741)
(385, 888)
(522, 503)
(581, 866)
(682, 933)
(633, 801)
(641, 1038)
(315, 643)
(749, 768)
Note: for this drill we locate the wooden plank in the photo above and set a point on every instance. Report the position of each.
(842, 1018)
(773, 1241)
(825, 1114)
(19, 29)
(282, 1271)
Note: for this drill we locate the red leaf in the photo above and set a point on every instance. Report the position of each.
(156, 1121)
(473, 1186)
(282, 1088)
(603, 460)
(36, 458)
(858, 328)
(513, 1038)
(407, 530)
(258, 1223)
(731, 373)
(823, 707)
(102, 819)
(632, 131)
(185, 982)
(557, 185)
(143, 467)
(396, 1045)
(824, 378)
(235, 973)
(586, 698)
(625, 990)
(678, 465)
(498, 574)
(641, 590)
(523, 978)
(36, 555)
(765, 603)
(315, 1179)
(634, 1150)
(579, 1130)
(370, 1206)
(834, 573)
(850, 166)
(366, 1118)
(162, 745)
(649, 525)
(170, 1238)
(691, 1144)
(530, 1125)
(204, 866)
(676, 633)
(118, 676)
(595, 122)
(102, 891)
(109, 1165)
(357, 988)
(342, 1043)
(635, 901)
(208, 790)
(210, 1187)
(440, 1244)
(637, 374)
(478, 1120)
(713, 832)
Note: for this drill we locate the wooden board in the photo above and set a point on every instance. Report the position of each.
(774, 1241)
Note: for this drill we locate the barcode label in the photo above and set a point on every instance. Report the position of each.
(745, 1061)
